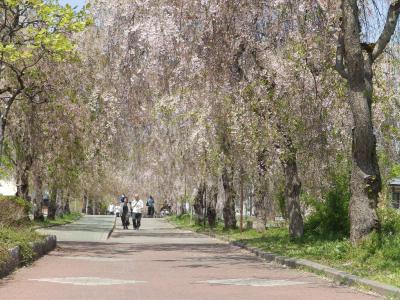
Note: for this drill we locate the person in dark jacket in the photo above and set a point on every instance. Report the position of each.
(125, 210)
(150, 206)
(122, 198)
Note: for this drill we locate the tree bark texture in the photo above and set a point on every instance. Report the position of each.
(292, 191)
(261, 193)
(23, 181)
(354, 62)
(2, 132)
(51, 211)
(55, 205)
(67, 209)
(37, 200)
(23, 163)
(229, 212)
(59, 203)
(199, 204)
(212, 205)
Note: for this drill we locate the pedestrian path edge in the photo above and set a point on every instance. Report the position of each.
(39, 249)
(335, 274)
(112, 229)
(332, 273)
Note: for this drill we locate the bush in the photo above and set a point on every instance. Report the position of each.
(14, 211)
(390, 220)
(9, 237)
(331, 216)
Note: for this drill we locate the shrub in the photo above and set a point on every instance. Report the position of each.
(14, 211)
(9, 237)
(331, 216)
(390, 220)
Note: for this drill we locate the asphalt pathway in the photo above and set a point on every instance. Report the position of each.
(87, 229)
(161, 262)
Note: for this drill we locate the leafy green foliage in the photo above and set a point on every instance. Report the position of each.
(22, 236)
(390, 221)
(395, 171)
(330, 218)
(15, 229)
(42, 28)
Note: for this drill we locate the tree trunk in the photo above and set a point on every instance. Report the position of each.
(198, 204)
(261, 193)
(241, 199)
(292, 191)
(59, 203)
(251, 193)
(85, 203)
(23, 182)
(93, 206)
(51, 211)
(22, 141)
(38, 199)
(260, 210)
(365, 183)
(229, 212)
(212, 205)
(24, 163)
(2, 132)
(67, 209)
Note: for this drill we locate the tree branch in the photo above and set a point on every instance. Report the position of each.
(388, 30)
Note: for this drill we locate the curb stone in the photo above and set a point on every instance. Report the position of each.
(112, 229)
(43, 247)
(383, 289)
(341, 276)
(39, 249)
(12, 262)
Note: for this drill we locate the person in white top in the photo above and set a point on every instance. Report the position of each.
(137, 208)
(111, 209)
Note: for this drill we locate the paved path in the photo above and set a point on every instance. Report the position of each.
(86, 229)
(161, 262)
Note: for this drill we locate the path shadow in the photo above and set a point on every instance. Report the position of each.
(171, 234)
(215, 253)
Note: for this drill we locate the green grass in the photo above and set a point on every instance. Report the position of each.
(377, 258)
(22, 236)
(65, 219)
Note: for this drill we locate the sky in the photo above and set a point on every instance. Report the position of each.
(78, 3)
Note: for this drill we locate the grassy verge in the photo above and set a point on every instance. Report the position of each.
(18, 236)
(24, 234)
(377, 258)
(65, 219)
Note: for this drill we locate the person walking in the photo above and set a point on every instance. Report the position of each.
(125, 208)
(111, 209)
(150, 206)
(137, 207)
(122, 198)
